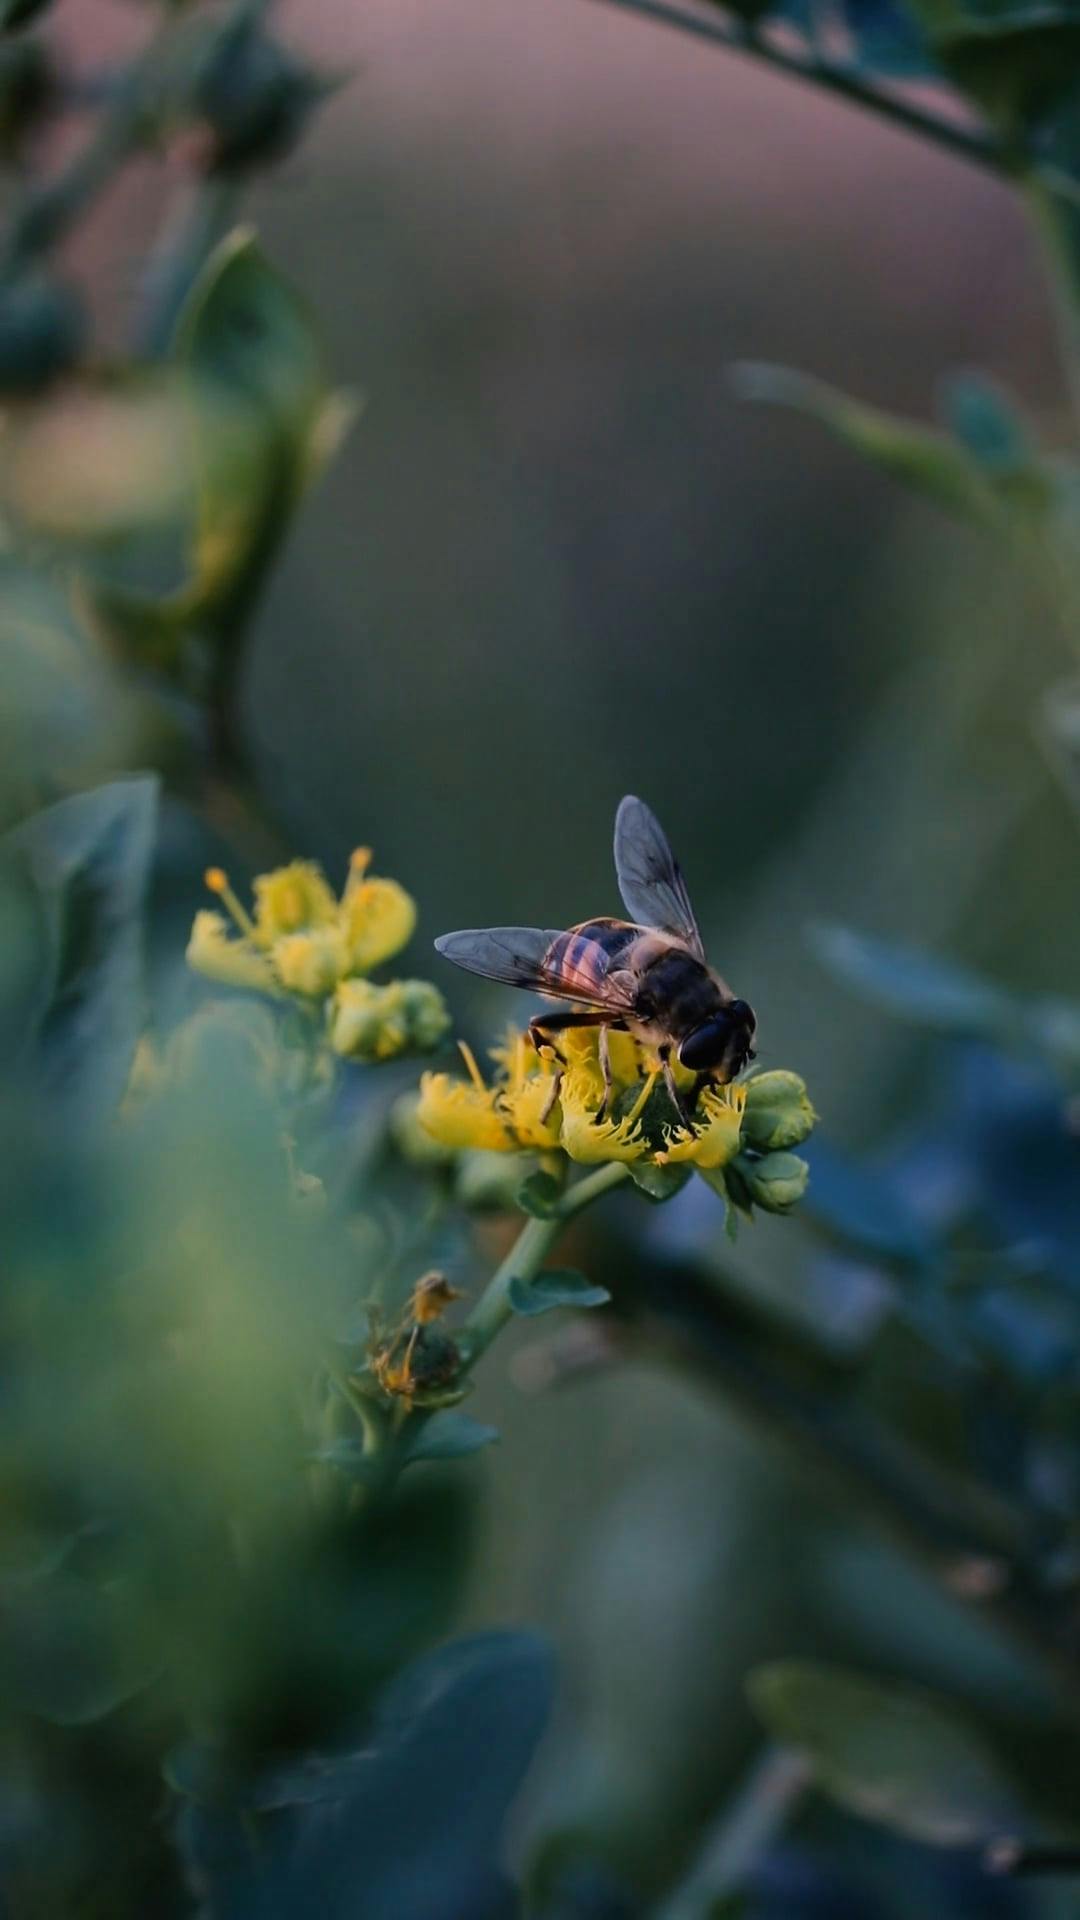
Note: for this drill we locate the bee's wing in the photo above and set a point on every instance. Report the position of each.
(518, 956)
(650, 878)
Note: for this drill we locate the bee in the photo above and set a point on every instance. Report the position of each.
(646, 975)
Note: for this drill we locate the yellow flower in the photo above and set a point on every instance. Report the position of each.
(213, 952)
(459, 1114)
(291, 900)
(714, 1138)
(589, 1139)
(527, 1093)
(378, 917)
(311, 963)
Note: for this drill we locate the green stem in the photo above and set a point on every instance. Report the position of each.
(741, 1835)
(526, 1258)
(967, 142)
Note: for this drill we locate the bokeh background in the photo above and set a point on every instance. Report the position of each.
(559, 560)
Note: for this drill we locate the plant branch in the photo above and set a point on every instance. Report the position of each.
(969, 143)
(951, 1527)
(527, 1256)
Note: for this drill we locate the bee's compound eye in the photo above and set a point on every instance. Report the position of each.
(743, 1012)
(706, 1046)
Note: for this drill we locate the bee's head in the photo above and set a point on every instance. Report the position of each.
(722, 1044)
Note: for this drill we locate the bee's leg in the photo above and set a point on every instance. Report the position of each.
(603, 1048)
(663, 1054)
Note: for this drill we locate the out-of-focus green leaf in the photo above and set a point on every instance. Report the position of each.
(410, 1824)
(448, 1436)
(81, 867)
(1014, 58)
(894, 1755)
(658, 1183)
(559, 1287)
(65, 1656)
(903, 980)
(923, 459)
(860, 1207)
(262, 423)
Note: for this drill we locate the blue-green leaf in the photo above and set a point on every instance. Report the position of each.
(448, 1436)
(917, 985)
(919, 456)
(893, 1754)
(658, 1183)
(540, 1195)
(560, 1287)
(76, 876)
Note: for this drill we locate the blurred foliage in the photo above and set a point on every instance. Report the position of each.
(239, 1533)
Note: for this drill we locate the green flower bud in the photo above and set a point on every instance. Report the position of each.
(776, 1181)
(378, 1023)
(426, 1014)
(255, 98)
(778, 1113)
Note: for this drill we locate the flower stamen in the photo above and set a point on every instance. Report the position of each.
(217, 880)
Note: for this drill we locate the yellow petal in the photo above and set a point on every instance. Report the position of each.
(213, 952)
(714, 1139)
(525, 1104)
(377, 918)
(583, 1136)
(310, 963)
(460, 1115)
(292, 899)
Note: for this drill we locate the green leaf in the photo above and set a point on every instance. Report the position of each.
(905, 981)
(540, 1195)
(1014, 58)
(659, 1183)
(67, 1656)
(919, 456)
(81, 868)
(889, 1753)
(261, 422)
(559, 1287)
(449, 1436)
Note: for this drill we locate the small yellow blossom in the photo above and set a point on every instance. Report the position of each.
(212, 951)
(378, 917)
(544, 1099)
(459, 1115)
(305, 942)
(292, 899)
(714, 1138)
(587, 1137)
(310, 963)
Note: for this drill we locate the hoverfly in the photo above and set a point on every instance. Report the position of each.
(646, 975)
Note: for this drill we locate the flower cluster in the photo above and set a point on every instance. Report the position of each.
(739, 1137)
(305, 944)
